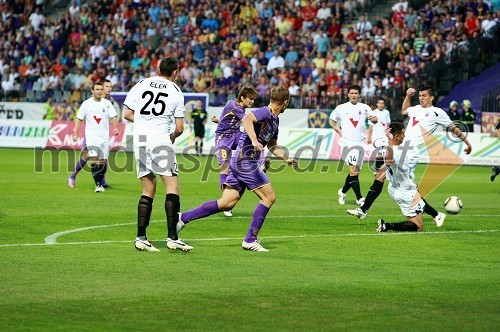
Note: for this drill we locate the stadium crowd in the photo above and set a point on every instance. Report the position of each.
(311, 47)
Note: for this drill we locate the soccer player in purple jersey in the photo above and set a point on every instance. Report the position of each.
(228, 133)
(261, 129)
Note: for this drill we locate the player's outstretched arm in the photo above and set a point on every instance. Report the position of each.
(407, 101)
(278, 152)
(214, 119)
(457, 132)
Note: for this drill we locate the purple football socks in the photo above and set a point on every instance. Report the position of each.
(81, 163)
(204, 210)
(259, 215)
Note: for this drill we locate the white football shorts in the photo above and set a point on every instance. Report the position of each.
(99, 149)
(159, 160)
(406, 201)
(352, 153)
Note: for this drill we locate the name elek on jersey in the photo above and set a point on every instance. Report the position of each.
(156, 103)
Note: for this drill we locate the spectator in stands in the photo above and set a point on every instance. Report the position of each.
(294, 89)
(74, 10)
(363, 26)
(350, 9)
(468, 117)
(266, 14)
(37, 19)
(69, 38)
(453, 111)
(482, 9)
(488, 26)
(276, 61)
(471, 23)
(428, 50)
(398, 16)
(410, 18)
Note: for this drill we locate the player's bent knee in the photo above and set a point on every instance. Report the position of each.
(269, 199)
(227, 205)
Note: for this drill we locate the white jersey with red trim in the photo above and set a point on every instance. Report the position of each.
(423, 122)
(352, 118)
(384, 118)
(96, 115)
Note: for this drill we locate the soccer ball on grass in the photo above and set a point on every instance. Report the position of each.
(453, 205)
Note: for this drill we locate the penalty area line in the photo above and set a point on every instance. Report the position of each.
(264, 237)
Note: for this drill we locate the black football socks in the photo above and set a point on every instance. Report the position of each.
(172, 208)
(372, 195)
(144, 209)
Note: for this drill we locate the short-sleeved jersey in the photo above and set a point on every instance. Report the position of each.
(96, 115)
(384, 118)
(400, 173)
(424, 121)
(230, 119)
(156, 103)
(352, 119)
(266, 129)
(198, 116)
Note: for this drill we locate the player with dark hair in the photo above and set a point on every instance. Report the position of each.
(261, 129)
(107, 87)
(424, 120)
(402, 189)
(199, 119)
(228, 133)
(352, 117)
(376, 135)
(156, 106)
(97, 112)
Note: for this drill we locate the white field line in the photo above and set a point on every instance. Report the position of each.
(52, 239)
(266, 237)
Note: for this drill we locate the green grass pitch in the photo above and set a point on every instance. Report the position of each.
(325, 270)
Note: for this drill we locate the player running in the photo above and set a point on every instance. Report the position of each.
(97, 113)
(261, 129)
(228, 133)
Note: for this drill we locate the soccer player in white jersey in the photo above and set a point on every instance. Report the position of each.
(351, 117)
(402, 189)
(83, 159)
(425, 119)
(156, 106)
(97, 112)
(377, 136)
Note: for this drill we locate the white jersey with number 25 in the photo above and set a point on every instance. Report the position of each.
(156, 103)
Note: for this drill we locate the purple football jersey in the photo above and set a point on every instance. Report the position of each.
(244, 168)
(266, 129)
(224, 144)
(230, 118)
